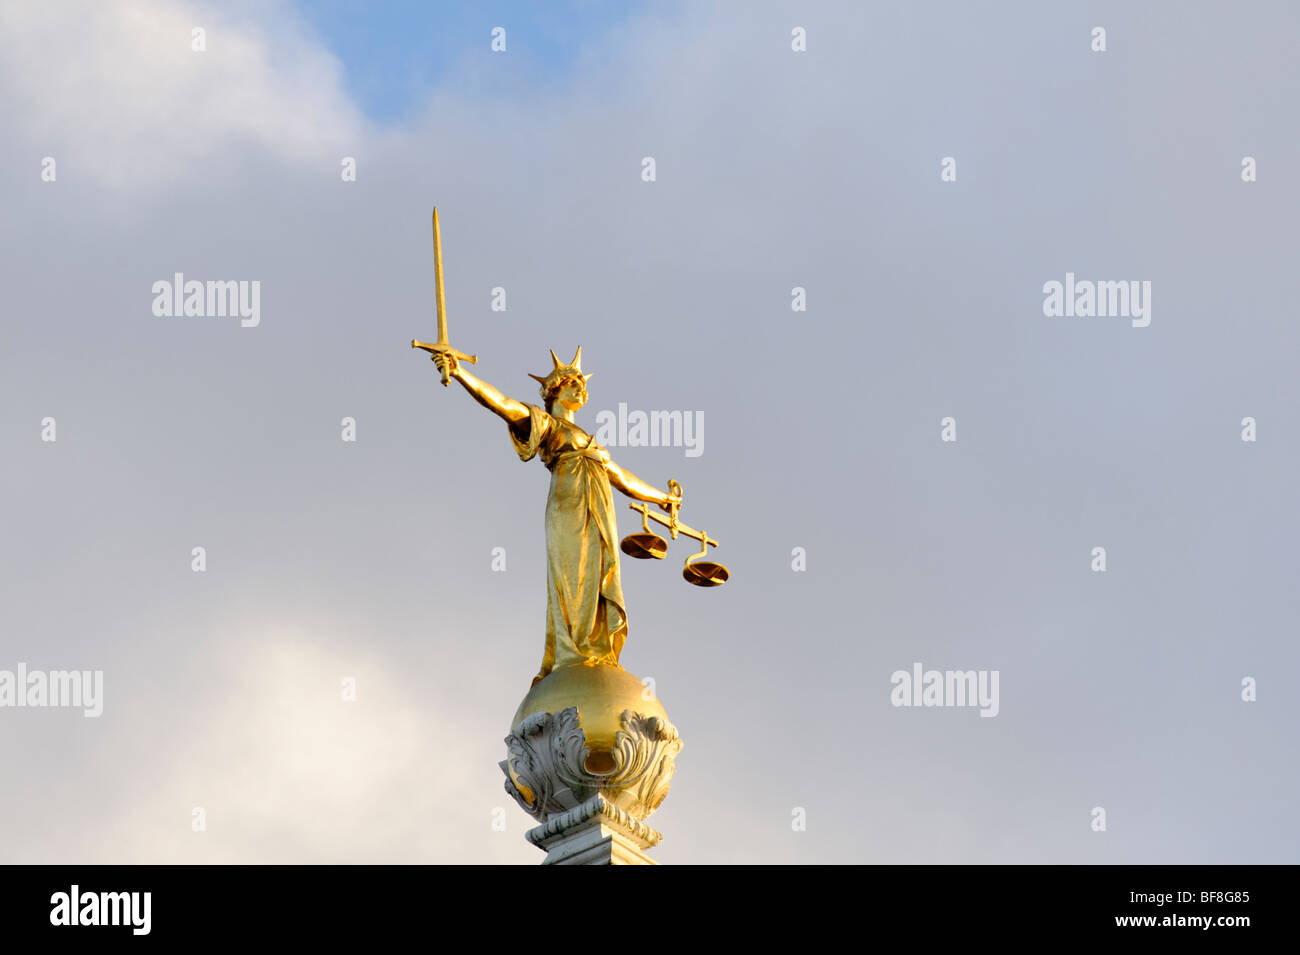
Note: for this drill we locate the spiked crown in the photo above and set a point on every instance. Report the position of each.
(551, 382)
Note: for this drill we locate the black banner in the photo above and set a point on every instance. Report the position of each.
(134, 904)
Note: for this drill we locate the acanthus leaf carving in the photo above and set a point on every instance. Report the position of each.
(548, 754)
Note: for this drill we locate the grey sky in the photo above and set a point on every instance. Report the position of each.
(775, 169)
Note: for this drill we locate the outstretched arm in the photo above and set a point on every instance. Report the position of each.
(514, 412)
(637, 489)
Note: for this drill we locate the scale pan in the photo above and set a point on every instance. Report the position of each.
(705, 573)
(644, 546)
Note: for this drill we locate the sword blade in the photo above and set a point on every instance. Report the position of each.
(437, 272)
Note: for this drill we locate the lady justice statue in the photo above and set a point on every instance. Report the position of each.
(590, 749)
(586, 618)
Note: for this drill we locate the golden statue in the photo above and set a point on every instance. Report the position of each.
(586, 618)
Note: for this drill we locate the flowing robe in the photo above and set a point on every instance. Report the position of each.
(586, 622)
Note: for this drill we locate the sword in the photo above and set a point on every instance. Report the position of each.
(442, 346)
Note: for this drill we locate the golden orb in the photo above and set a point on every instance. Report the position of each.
(601, 694)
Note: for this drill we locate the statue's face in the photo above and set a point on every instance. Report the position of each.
(572, 393)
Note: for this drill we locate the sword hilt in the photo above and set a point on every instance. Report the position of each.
(444, 349)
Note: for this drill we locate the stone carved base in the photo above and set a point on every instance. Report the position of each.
(548, 770)
(595, 833)
(590, 755)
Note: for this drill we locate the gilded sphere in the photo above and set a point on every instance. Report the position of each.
(601, 694)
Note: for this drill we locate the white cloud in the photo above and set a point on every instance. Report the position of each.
(115, 89)
(286, 771)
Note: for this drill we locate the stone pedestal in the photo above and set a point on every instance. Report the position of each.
(590, 755)
(595, 833)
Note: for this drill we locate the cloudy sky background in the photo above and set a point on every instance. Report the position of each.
(372, 559)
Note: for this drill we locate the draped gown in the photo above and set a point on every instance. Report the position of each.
(586, 620)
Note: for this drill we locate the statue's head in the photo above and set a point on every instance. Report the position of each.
(566, 383)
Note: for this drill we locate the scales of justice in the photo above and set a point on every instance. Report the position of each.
(590, 753)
